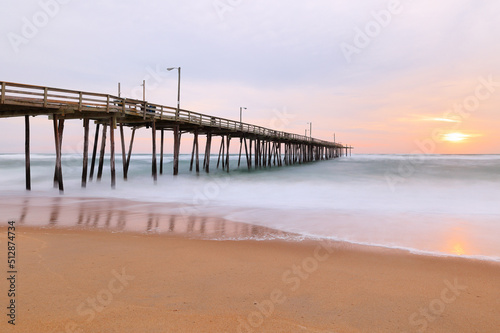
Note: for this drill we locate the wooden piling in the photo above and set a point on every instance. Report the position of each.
(154, 172)
(227, 152)
(250, 154)
(177, 145)
(103, 149)
(112, 151)
(278, 153)
(129, 153)
(162, 141)
(275, 152)
(257, 150)
(264, 153)
(85, 151)
(197, 154)
(269, 154)
(205, 156)
(94, 152)
(246, 154)
(58, 181)
(285, 155)
(221, 151)
(241, 146)
(60, 129)
(27, 155)
(124, 158)
(192, 151)
(206, 161)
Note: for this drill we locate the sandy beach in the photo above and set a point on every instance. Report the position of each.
(100, 280)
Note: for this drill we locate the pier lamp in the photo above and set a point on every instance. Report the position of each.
(178, 89)
(143, 90)
(310, 128)
(241, 108)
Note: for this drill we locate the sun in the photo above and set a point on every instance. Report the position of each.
(455, 137)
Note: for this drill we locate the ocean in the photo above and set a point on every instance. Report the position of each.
(433, 204)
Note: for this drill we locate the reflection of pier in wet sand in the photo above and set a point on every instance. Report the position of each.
(117, 215)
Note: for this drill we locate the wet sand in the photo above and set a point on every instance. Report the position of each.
(103, 280)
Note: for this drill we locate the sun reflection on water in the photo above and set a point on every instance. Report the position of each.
(458, 249)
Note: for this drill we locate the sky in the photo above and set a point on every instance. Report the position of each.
(383, 76)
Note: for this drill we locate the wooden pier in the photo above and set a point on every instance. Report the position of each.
(269, 147)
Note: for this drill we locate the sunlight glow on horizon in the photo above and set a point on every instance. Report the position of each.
(456, 137)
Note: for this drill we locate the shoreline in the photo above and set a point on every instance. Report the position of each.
(113, 214)
(97, 278)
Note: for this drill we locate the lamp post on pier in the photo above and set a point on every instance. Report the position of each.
(143, 90)
(178, 89)
(241, 109)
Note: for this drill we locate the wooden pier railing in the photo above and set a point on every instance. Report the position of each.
(80, 101)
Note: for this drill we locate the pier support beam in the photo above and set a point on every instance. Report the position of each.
(162, 141)
(278, 153)
(257, 151)
(27, 154)
(85, 151)
(221, 151)
(206, 160)
(227, 152)
(241, 146)
(250, 154)
(124, 156)
(58, 129)
(264, 153)
(177, 147)
(246, 154)
(197, 155)
(154, 171)
(269, 154)
(195, 151)
(103, 149)
(286, 157)
(129, 153)
(94, 152)
(112, 123)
